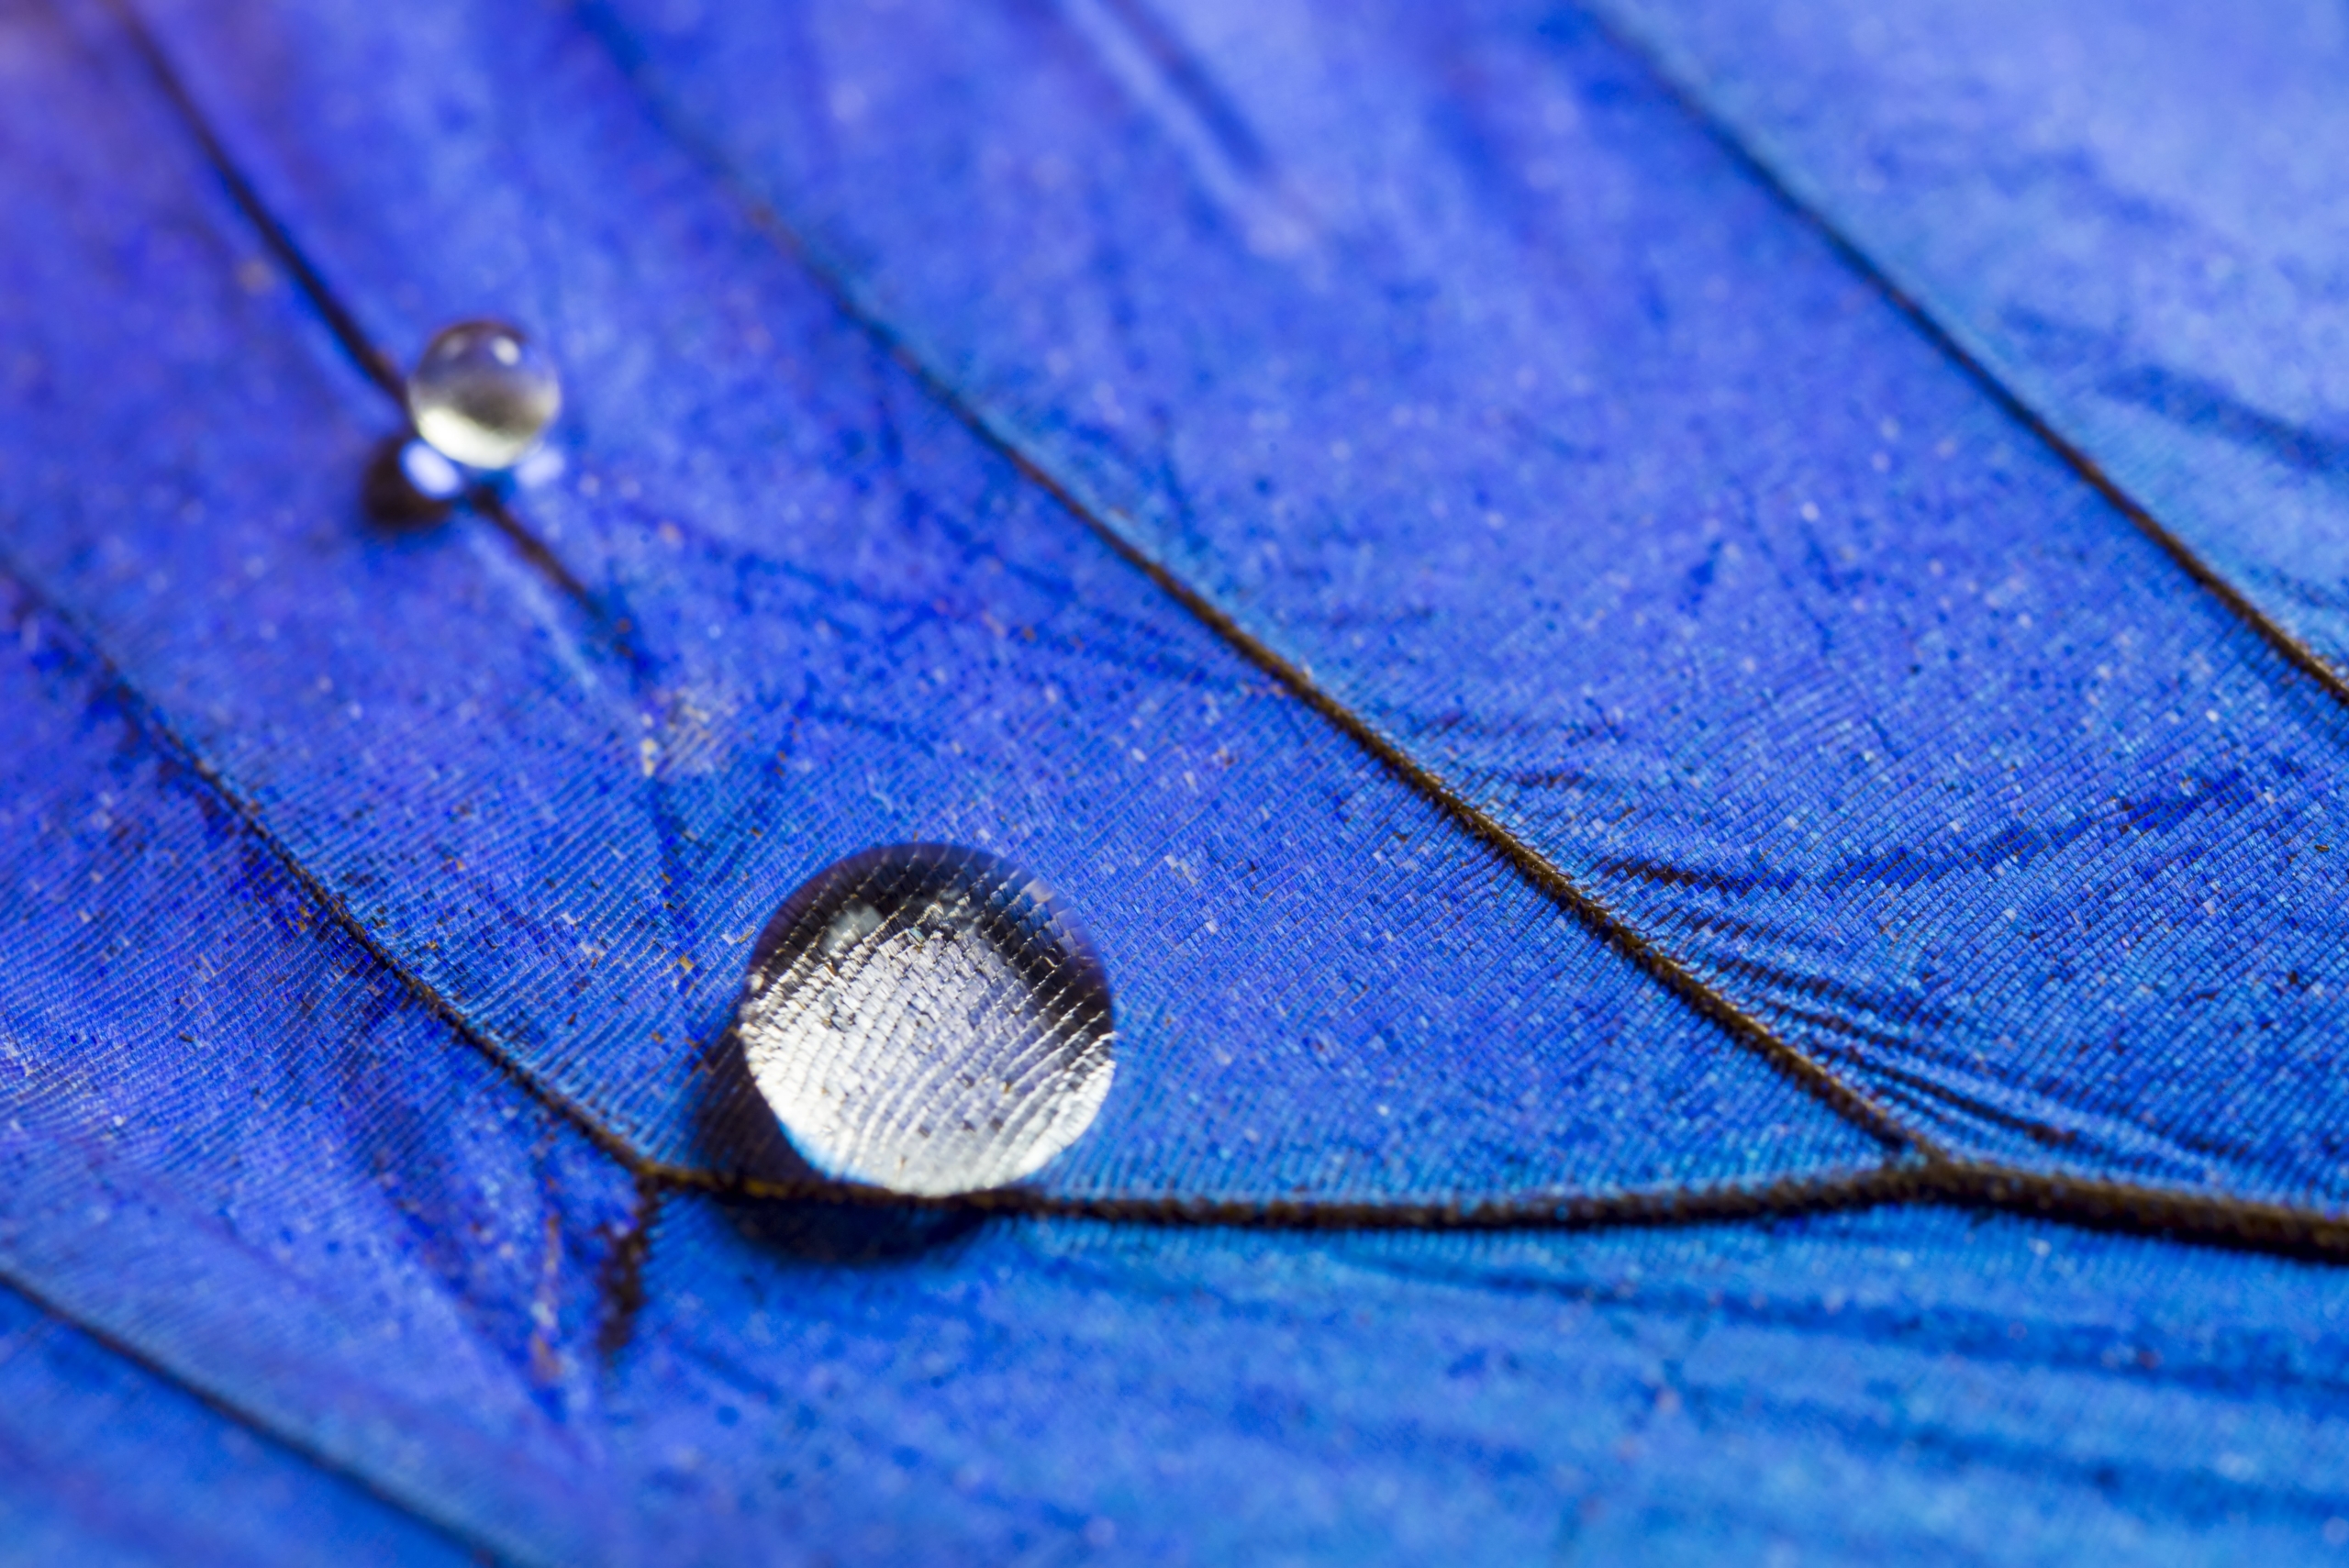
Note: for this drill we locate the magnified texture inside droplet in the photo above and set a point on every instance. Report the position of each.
(928, 1020)
(482, 394)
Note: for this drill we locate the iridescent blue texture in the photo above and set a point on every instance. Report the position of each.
(1559, 697)
(2132, 214)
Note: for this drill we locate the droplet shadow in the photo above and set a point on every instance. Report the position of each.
(392, 500)
(856, 1233)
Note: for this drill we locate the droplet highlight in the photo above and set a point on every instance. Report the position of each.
(432, 474)
(482, 395)
(928, 1020)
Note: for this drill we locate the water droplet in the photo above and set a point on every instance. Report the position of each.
(928, 1020)
(482, 394)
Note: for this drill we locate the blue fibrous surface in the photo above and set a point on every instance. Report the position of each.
(103, 1461)
(1450, 357)
(350, 1055)
(1912, 1385)
(2132, 214)
(824, 615)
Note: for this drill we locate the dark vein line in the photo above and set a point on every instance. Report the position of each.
(1783, 1197)
(1109, 525)
(274, 234)
(485, 501)
(1688, 97)
(1543, 873)
(2100, 1204)
(267, 1431)
(2088, 1203)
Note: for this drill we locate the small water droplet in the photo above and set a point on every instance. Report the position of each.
(928, 1019)
(482, 394)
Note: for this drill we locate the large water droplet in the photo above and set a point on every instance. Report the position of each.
(482, 394)
(927, 1019)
